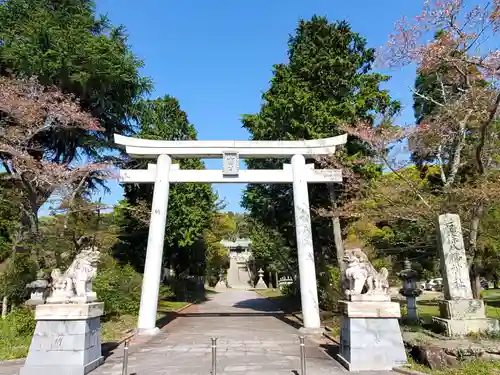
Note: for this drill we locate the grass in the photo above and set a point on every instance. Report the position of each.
(269, 293)
(477, 367)
(171, 305)
(289, 304)
(118, 327)
(13, 346)
(429, 308)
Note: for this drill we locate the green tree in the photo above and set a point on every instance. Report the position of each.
(9, 218)
(63, 44)
(64, 231)
(326, 82)
(242, 225)
(190, 205)
(269, 251)
(10, 279)
(223, 227)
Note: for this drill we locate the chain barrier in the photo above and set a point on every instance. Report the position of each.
(214, 356)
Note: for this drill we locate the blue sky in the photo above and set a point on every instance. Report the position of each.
(216, 57)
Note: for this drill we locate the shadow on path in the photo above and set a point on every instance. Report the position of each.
(331, 349)
(280, 316)
(258, 304)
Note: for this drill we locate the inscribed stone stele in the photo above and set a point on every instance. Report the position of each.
(456, 281)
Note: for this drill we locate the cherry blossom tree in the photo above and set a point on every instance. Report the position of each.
(29, 112)
(459, 136)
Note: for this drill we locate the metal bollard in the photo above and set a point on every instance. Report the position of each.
(125, 358)
(302, 356)
(214, 356)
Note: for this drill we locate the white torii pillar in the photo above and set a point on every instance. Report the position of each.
(305, 250)
(154, 252)
(164, 172)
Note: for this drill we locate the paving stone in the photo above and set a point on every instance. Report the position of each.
(240, 368)
(251, 340)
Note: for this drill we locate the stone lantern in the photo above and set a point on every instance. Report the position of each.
(410, 289)
(221, 284)
(260, 283)
(39, 289)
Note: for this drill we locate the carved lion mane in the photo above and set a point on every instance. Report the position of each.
(81, 271)
(360, 273)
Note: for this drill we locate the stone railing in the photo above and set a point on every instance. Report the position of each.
(284, 281)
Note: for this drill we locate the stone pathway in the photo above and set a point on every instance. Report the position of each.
(253, 338)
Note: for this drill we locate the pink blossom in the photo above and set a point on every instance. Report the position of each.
(28, 109)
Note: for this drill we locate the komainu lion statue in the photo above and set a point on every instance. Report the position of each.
(360, 273)
(76, 283)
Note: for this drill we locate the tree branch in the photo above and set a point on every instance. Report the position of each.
(73, 197)
(425, 97)
(441, 83)
(457, 153)
(401, 177)
(484, 132)
(440, 163)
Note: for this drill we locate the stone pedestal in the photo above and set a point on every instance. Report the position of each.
(221, 286)
(462, 309)
(462, 327)
(67, 340)
(370, 337)
(260, 283)
(464, 316)
(375, 297)
(33, 302)
(411, 306)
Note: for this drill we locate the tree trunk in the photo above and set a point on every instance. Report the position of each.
(477, 214)
(337, 230)
(5, 305)
(475, 283)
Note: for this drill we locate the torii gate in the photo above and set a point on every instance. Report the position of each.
(164, 172)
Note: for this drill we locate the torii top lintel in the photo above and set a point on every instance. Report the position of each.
(147, 148)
